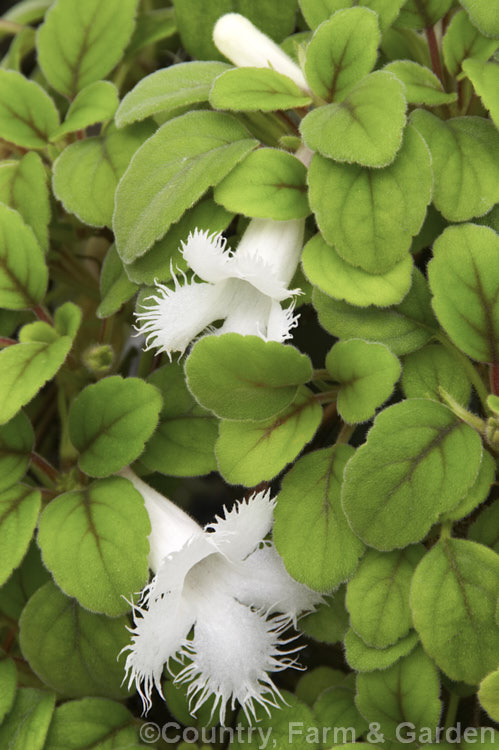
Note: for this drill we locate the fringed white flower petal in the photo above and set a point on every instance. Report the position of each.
(177, 316)
(207, 255)
(262, 581)
(281, 322)
(242, 528)
(278, 244)
(233, 650)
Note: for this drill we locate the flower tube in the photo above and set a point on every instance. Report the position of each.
(219, 604)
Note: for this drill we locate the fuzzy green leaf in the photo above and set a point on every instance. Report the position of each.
(8, 685)
(97, 551)
(483, 15)
(72, 650)
(16, 443)
(378, 595)
(485, 529)
(27, 723)
(19, 508)
(371, 215)
(309, 510)
(326, 269)
(453, 600)
(367, 373)
(23, 186)
(464, 278)
(184, 442)
(79, 43)
(317, 11)
(477, 493)
(432, 368)
(23, 272)
(110, 422)
(256, 89)
(244, 377)
(23, 582)
(329, 622)
(421, 14)
(251, 452)
(421, 85)
(413, 447)
(315, 681)
(485, 80)
(87, 172)
(341, 52)
(335, 710)
(268, 183)
(115, 286)
(463, 40)
(403, 328)
(168, 90)
(406, 692)
(365, 658)
(170, 172)
(155, 25)
(28, 116)
(488, 694)
(91, 724)
(97, 102)
(365, 128)
(465, 156)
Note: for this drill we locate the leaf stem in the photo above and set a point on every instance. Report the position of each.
(10, 27)
(434, 53)
(471, 371)
(451, 714)
(326, 397)
(494, 378)
(345, 434)
(45, 466)
(42, 314)
(4, 341)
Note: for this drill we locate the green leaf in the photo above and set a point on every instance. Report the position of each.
(367, 373)
(365, 128)
(28, 115)
(92, 724)
(421, 14)
(96, 551)
(465, 156)
(325, 268)
(8, 685)
(115, 286)
(403, 328)
(407, 692)
(80, 43)
(110, 422)
(25, 368)
(87, 172)
(463, 40)
(371, 215)
(73, 651)
(317, 11)
(23, 582)
(421, 85)
(165, 255)
(168, 90)
(268, 183)
(23, 273)
(478, 492)
(196, 19)
(336, 712)
(27, 723)
(329, 622)
(170, 172)
(482, 14)
(378, 595)
(309, 512)
(67, 319)
(485, 529)
(365, 658)
(432, 368)
(341, 52)
(244, 377)
(19, 508)
(413, 447)
(464, 278)
(488, 694)
(453, 600)
(152, 26)
(184, 442)
(256, 89)
(97, 102)
(485, 80)
(315, 681)
(251, 452)
(16, 443)
(23, 186)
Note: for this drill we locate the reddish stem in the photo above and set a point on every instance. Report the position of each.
(7, 342)
(47, 468)
(434, 53)
(42, 314)
(494, 378)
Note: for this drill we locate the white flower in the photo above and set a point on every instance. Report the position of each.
(232, 590)
(245, 288)
(246, 46)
